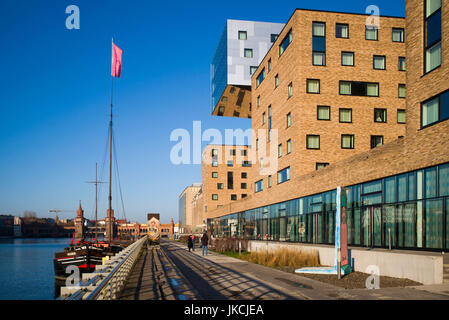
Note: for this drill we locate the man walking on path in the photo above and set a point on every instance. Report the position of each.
(189, 243)
(204, 242)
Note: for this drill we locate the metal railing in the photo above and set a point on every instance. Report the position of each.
(109, 279)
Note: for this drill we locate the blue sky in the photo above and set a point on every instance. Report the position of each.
(55, 96)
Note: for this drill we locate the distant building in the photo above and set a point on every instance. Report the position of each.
(6, 226)
(240, 50)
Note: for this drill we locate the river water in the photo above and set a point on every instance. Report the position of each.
(26, 268)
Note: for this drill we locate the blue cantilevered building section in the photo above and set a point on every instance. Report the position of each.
(241, 48)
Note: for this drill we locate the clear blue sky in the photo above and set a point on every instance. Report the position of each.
(55, 93)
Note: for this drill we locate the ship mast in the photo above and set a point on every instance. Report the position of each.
(109, 215)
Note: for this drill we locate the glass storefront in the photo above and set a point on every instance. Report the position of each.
(406, 211)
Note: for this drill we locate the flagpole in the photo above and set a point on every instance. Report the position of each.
(110, 167)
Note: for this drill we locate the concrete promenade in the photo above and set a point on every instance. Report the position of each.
(172, 272)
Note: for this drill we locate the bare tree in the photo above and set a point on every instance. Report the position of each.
(29, 214)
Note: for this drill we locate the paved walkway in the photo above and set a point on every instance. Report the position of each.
(175, 273)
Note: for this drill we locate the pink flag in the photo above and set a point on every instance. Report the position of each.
(116, 68)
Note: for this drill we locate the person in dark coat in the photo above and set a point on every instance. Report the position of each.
(204, 242)
(189, 243)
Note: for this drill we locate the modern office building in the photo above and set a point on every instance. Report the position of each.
(242, 47)
(399, 190)
(226, 176)
(185, 207)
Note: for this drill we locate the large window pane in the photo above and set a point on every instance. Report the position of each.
(345, 87)
(323, 113)
(372, 89)
(319, 29)
(402, 188)
(433, 29)
(313, 86)
(345, 115)
(379, 62)
(443, 180)
(347, 58)
(371, 33)
(431, 183)
(430, 111)
(434, 224)
(432, 6)
(409, 219)
(313, 142)
(342, 31)
(433, 57)
(398, 35)
(319, 59)
(390, 190)
(347, 141)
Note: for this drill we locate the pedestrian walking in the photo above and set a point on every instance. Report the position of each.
(204, 242)
(193, 242)
(189, 243)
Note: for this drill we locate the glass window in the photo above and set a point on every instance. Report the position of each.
(220, 186)
(243, 35)
(233, 197)
(284, 175)
(372, 89)
(285, 42)
(402, 65)
(402, 188)
(244, 175)
(347, 58)
(221, 110)
(430, 111)
(313, 86)
(401, 90)
(289, 120)
(320, 165)
(313, 142)
(280, 150)
(264, 118)
(443, 180)
(215, 197)
(432, 34)
(370, 187)
(214, 174)
(390, 190)
(269, 65)
(323, 113)
(347, 141)
(345, 115)
(398, 35)
(260, 78)
(430, 182)
(259, 186)
(248, 53)
(433, 57)
(252, 70)
(289, 146)
(270, 182)
(342, 30)
(290, 89)
(380, 115)
(434, 223)
(319, 29)
(276, 81)
(319, 59)
(274, 37)
(345, 87)
(379, 62)
(376, 141)
(243, 185)
(401, 116)
(371, 33)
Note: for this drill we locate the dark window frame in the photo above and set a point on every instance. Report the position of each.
(341, 24)
(319, 86)
(397, 116)
(385, 62)
(382, 109)
(319, 51)
(353, 59)
(318, 112)
(339, 115)
(396, 29)
(376, 136)
(352, 141)
(307, 141)
(326, 164)
(431, 45)
(281, 45)
(377, 34)
(439, 109)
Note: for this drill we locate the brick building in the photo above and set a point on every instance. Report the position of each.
(402, 185)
